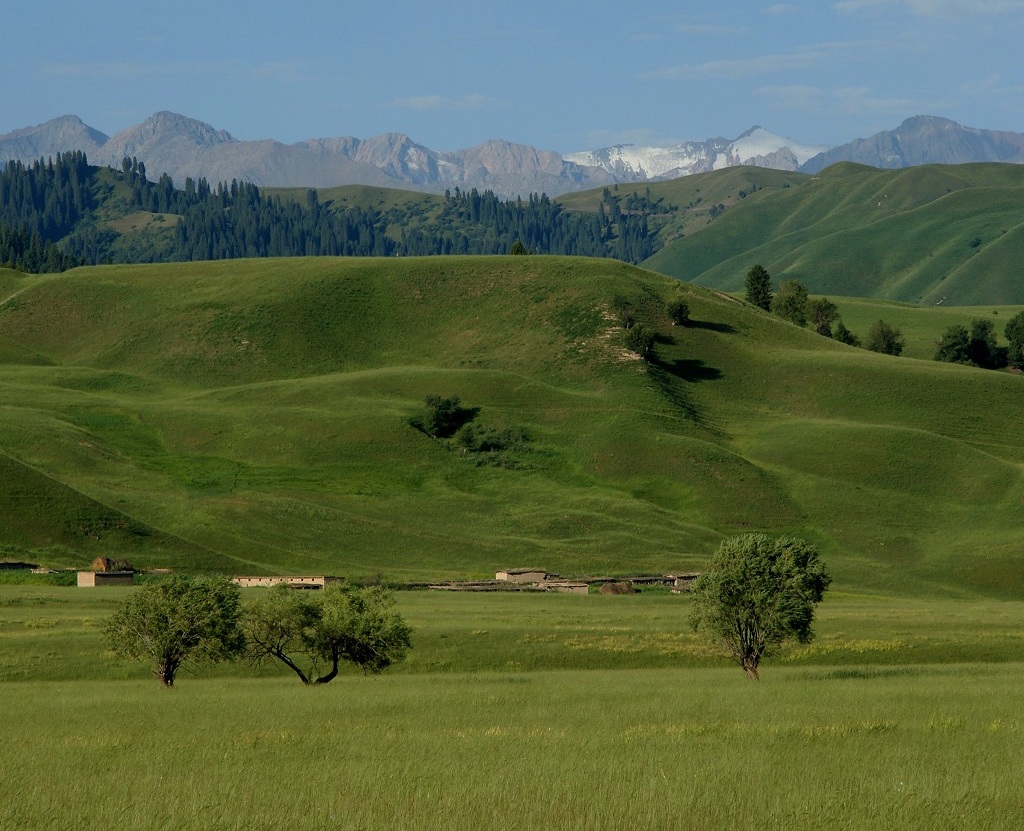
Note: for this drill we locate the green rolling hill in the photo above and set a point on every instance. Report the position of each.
(253, 416)
(928, 235)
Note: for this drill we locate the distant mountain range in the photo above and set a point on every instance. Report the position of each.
(184, 147)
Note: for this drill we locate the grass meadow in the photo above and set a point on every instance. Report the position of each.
(526, 711)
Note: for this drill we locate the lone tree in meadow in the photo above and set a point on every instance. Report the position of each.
(312, 633)
(442, 417)
(759, 287)
(758, 593)
(180, 620)
(885, 338)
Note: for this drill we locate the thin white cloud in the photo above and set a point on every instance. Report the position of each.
(934, 8)
(957, 8)
(736, 68)
(710, 29)
(280, 70)
(853, 6)
(860, 101)
(441, 102)
(782, 8)
(97, 70)
(842, 101)
(793, 97)
(640, 136)
(290, 72)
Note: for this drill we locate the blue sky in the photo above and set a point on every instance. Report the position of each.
(561, 76)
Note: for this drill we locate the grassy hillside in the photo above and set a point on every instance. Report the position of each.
(252, 416)
(921, 235)
(687, 205)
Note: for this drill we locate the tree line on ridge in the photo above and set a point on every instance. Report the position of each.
(54, 215)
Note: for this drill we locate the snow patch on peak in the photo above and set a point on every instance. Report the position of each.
(758, 141)
(628, 162)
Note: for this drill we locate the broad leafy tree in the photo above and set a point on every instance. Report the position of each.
(984, 350)
(822, 313)
(954, 346)
(442, 416)
(640, 341)
(313, 632)
(1015, 335)
(885, 338)
(790, 302)
(759, 287)
(678, 311)
(180, 620)
(757, 593)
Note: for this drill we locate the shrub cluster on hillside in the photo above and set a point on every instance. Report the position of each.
(445, 418)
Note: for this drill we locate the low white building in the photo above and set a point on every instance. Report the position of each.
(524, 575)
(301, 582)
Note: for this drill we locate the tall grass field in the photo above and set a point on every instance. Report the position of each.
(526, 711)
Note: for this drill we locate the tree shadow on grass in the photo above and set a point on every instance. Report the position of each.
(667, 376)
(690, 371)
(711, 326)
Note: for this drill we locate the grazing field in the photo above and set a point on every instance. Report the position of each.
(253, 417)
(527, 711)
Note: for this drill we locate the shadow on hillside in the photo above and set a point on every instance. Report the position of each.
(711, 326)
(667, 376)
(688, 370)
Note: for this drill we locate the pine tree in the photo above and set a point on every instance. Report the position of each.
(759, 289)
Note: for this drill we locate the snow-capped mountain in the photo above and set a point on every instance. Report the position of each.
(756, 146)
(183, 147)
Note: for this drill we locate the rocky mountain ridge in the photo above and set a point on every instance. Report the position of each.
(925, 140)
(184, 147)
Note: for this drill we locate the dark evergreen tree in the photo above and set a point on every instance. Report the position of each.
(844, 335)
(759, 289)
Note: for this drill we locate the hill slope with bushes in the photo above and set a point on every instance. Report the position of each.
(258, 416)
